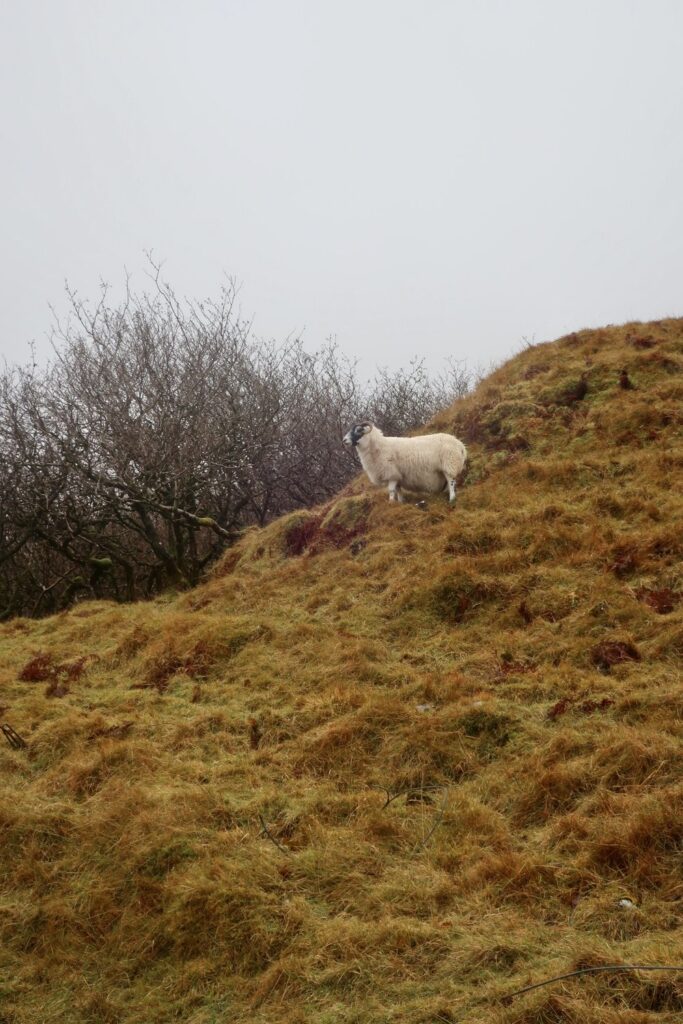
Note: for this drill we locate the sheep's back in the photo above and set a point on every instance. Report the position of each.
(424, 463)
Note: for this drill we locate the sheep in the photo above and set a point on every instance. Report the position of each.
(427, 463)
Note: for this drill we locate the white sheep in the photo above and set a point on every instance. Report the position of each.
(428, 463)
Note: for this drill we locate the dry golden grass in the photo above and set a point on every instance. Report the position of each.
(387, 764)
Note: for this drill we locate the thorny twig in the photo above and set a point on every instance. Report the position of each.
(589, 970)
(272, 837)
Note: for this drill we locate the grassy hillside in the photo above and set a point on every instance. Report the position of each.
(389, 764)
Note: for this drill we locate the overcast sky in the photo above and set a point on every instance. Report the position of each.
(440, 178)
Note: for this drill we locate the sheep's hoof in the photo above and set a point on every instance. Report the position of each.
(420, 504)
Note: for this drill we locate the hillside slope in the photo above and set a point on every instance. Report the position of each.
(388, 763)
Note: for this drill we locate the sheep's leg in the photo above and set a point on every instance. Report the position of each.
(451, 489)
(395, 491)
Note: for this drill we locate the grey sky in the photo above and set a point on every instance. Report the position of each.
(440, 178)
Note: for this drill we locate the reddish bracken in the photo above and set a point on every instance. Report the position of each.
(38, 669)
(661, 601)
(508, 666)
(560, 708)
(613, 652)
(586, 707)
(42, 668)
(74, 669)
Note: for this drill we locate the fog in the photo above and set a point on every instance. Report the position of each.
(444, 179)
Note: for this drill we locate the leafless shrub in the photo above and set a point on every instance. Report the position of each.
(160, 430)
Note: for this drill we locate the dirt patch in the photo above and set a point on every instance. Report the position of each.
(342, 526)
(300, 535)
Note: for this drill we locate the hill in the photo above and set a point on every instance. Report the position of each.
(388, 763)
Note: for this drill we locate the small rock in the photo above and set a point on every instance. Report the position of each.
(424, 707)
(626, 904)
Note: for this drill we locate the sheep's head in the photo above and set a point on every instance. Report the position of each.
(357, 431)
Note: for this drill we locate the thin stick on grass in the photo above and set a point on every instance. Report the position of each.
(389, 798)
(13, 738)
(437, 821)
(589, 970)
(272, 838)
(402, 792)
(418, 790)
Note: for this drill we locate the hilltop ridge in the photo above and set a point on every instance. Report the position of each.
(387, 763)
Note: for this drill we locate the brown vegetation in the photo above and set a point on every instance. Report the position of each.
(387, 763)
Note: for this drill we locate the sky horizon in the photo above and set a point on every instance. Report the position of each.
(442, 180)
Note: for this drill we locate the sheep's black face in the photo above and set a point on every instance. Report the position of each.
(357, 431)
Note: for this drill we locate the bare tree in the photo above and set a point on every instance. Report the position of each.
(401, 400)
(160, 430)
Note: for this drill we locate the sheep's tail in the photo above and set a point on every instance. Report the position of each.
(456, 457)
